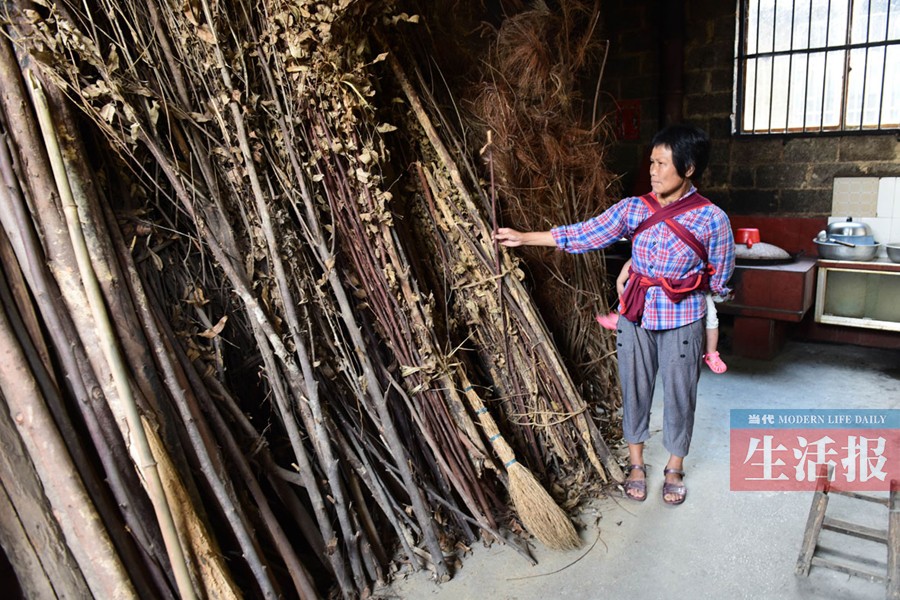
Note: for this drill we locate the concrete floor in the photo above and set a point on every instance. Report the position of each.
(719, 544)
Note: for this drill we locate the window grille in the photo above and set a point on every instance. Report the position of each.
(817, 66)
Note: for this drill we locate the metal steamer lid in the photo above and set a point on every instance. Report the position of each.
(848, 227)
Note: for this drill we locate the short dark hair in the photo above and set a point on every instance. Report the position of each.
(689, 146)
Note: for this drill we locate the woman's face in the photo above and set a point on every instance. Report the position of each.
(664, 178)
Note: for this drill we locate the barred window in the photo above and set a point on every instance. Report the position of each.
(813, 66)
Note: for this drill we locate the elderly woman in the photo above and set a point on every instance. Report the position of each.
(682, 246)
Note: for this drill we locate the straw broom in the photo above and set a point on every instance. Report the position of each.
(539, 513)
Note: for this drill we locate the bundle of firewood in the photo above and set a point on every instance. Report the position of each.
(245, 352)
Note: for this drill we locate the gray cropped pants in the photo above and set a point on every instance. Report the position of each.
(676, 355)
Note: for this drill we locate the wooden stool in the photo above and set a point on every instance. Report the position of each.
(817, 521)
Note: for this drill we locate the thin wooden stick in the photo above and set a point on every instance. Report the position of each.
(72, 509)
(212, 469)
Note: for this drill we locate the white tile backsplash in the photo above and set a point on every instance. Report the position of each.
(855, 197)
(871, 200)
(887, 198)
(894, 236)
(881, 229)
(896, 197)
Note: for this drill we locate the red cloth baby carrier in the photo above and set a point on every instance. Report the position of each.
(632, 299)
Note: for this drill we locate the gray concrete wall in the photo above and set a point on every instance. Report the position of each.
(770, 175)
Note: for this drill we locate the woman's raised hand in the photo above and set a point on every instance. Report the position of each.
(512, 238)
(509, 237)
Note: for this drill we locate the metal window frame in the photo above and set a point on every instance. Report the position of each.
(742, 57)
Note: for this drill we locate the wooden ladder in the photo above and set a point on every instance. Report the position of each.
(817, 521)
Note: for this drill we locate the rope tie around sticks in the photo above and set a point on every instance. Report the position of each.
(539, 513)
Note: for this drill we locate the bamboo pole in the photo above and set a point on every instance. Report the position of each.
(141, 451)
(103, 432)
(353, 427)
(94, 481)
(64, 306)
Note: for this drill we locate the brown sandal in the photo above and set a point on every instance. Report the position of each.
(674, 489)
(636, 485)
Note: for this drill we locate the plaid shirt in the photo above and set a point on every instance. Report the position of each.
(659, 252)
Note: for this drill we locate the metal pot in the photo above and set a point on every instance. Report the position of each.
(846, 251)
(847, 240)
(848, 227)
(893, 252)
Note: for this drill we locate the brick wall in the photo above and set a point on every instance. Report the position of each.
(746, 176)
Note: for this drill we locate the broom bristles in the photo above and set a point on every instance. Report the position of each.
(539, 513)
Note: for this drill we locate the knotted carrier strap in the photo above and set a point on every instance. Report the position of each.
(632, 300)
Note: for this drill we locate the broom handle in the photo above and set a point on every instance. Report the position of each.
(500, 445)
(489, 147)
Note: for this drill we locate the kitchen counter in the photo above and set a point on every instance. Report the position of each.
(781, 292)
(881, 263)
(766, 299)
